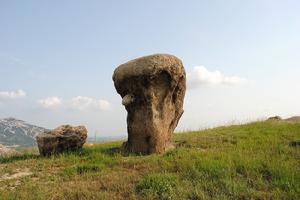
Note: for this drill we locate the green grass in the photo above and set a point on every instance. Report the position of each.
(252, 161)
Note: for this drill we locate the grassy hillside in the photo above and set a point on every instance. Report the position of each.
(253, 161)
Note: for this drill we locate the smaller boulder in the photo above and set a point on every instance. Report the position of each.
(6, 152)
(62, 139)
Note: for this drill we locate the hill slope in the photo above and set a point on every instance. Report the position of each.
(252, 161)
(18, 132)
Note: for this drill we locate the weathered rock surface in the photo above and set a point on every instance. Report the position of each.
(152, 90)
(62, 139)
(4, 151)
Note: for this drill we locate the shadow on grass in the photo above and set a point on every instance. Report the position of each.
(14, 158)
(110, 151)
(28, 156)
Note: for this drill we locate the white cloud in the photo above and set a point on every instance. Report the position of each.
(103, 104)
(202, 76)
(50, 102)
(84, 103)
(8, 95)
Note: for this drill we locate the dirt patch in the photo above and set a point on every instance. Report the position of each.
(17, 175)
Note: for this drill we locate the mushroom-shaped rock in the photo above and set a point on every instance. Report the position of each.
(152, 90)
(62, 139)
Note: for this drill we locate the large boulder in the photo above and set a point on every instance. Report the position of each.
(62, 139)
(152, 90)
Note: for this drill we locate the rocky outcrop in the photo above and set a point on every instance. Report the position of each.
(152, 90)
(62, 139)
(275, 118)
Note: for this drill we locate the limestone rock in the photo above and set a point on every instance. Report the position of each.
(62, 139)
(5, 151)
(152, 90)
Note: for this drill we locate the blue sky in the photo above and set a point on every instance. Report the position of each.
(57, 58)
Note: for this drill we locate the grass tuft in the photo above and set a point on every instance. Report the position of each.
(157, 186)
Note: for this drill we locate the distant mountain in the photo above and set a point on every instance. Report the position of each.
(19, 133)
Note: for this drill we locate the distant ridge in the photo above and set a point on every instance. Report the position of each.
(293, 119)
(15, 132)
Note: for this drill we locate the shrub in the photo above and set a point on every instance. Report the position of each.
(158, 186)
(87, 168)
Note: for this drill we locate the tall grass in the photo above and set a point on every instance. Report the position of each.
(251, 161)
